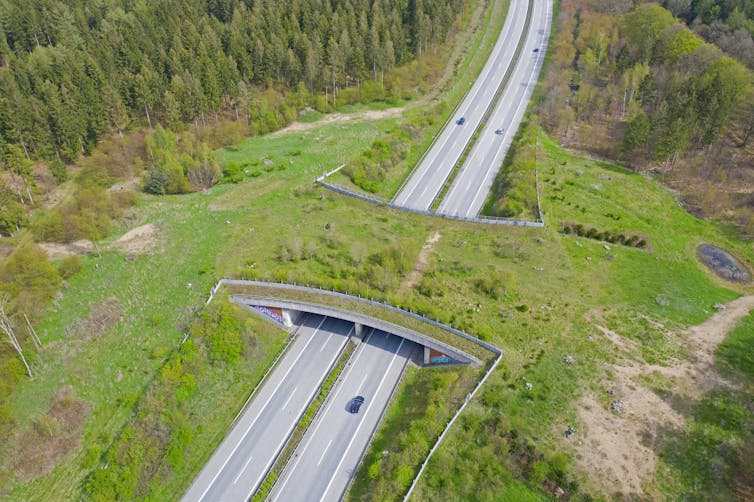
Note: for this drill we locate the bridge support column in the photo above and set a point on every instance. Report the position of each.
(289, 316)
(358, 332)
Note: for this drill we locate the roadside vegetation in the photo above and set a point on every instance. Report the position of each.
(383, 166)
(565, 309)
(514, 192)
(190, 404)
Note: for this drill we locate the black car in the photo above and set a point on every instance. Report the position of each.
(461, 121)
(536, 49)
(356, 404)
(499, 132)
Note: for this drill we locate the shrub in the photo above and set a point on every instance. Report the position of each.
(69, 266)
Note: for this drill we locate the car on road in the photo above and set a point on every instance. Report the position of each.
(498, 131)
(461, 121)
(356, 404)
(536, 49)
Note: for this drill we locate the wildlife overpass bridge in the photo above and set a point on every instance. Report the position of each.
(284, 303)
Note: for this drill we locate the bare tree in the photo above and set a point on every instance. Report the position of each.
(7, 327)
(32, 332)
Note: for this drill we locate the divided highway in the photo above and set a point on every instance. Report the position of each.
(328, 456)
(430, 175)
(470, 188)
(240, 463)
(473, 182)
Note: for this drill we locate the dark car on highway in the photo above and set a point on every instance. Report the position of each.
(461, 121)
(356, 404)
(499, 132)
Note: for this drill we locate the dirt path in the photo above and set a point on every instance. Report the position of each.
(339, 117)
(616, 449)
(413, 278)
(460, 48)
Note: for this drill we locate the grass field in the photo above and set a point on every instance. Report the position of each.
(282, 227)
(530, 291)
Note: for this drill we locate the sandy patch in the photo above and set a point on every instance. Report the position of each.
(616, 450)
(413, 278)
(339, 117)
(138, 240)
(57, 251)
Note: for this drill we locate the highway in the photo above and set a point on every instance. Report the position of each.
(324, 464)
(429, 177)
(473, 182)
(240, 463)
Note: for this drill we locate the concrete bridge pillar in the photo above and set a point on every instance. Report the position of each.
(358, 332)
(288, 317)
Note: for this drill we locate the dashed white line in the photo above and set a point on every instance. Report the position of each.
(356, 433)
(289, 398)
(262, 409)
(324, 453)
(242, 470)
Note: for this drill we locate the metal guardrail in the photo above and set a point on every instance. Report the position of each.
(487, 346)
(296, 287)
(489, 220)
(449, 425)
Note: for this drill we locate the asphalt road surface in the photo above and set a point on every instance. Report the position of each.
(240, 463)
(471, 185)
(430, 175)
(328, 456)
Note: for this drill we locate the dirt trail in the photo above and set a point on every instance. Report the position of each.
(616, 450)
(339, 117)
(413, 278)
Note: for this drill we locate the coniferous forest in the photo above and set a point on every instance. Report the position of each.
(71, 71)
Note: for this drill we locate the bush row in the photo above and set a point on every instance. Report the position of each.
(631, 240)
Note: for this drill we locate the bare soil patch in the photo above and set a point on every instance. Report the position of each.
(413, 278)
(104, 316)
(52, 437)
(340, 117)
(138, 240)
(616, 449)
(57, 251)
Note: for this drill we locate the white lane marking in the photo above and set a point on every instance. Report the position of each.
(324, 452)
(319, 423)
(290, 429)
(325, 343)
(261, 410)
(453, 199)
(289, 398)
(445, 205)
(485, 75)
(534, 71)
(362, 383)
(242, 470)
(356, 433)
